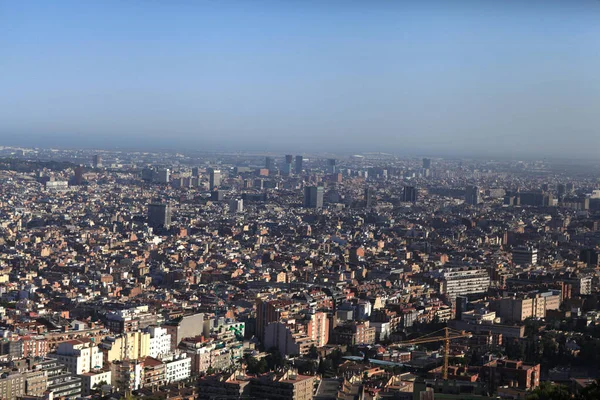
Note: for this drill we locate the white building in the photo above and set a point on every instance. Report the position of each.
(178, 368)
(463, 282)
(93, 380)
(79, 356)
(160, 342)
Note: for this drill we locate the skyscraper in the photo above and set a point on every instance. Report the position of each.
(159, 215)
(561, 189)
(472, 195)
(287, 164)
(97, 161)
(313, 196)
(195, 171)
(214, 178)
(163, 176)
(269, 163)
(236, 205)
(409, 194)
(331, 165)
(78, 178)
(426, 163)
(369, 196)
(299, 160)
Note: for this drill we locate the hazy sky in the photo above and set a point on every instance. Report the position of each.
(429, 77)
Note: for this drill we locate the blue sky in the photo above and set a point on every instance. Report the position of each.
(429, 77)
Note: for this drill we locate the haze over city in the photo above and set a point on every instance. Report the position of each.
(498, 78)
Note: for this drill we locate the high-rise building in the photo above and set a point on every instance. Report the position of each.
(299, 160)
(331, 165)
(369, 196)
(147, 174)
(472, 195)
(409, 194)
(214, 178)
(287, 164)
(78, 178)
(313, 196)
(159, 215)
(236, 206)
(97, 161)
(195, 171)
(561, 189)
(570, 187)
(426, 163)
(163, 176)
(270, 163)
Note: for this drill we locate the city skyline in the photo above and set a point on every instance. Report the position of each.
(467, 79)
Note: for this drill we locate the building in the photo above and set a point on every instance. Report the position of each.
(299, 167)
(283, 336)
(331, 165)
(318, 328)
(524, 256)
(369, 197)
(34, 346)
(184, 327)
(472, 195)
(518, 309)
(464, 282)
(57, 186)
(159, 215)
(159, 343)
(282, 386)
(287, 164)
(236, 206)
(270, 164)
(178, 368)
(409, 194)
(60, 383)
(214, 178)
(79, 356)
(12, 386)
(313, 196)
(154, 372)
(162, 176)
(272, 311)
(510, 373)
(461, 303)
(78, 175)
(97, 161)
(128, 345)
(354, 333)
(127, 375)
(427, 163)
(131, 319)
(94, 380)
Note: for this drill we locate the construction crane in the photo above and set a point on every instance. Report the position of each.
(448, 335)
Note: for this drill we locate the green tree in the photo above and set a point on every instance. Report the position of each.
(313, 352)
(590, 392)
(548, 391)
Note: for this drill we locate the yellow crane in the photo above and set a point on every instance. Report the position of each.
(448, 335)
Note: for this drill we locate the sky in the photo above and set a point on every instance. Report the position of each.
(482, 77)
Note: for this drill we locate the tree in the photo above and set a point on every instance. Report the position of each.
(590, 392)
(548, 391)
(313, 352)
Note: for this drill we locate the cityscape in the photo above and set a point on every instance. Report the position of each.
(299, 200)
(370, 276)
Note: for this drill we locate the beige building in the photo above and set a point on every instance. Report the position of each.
(516, 309)
(126, 346)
